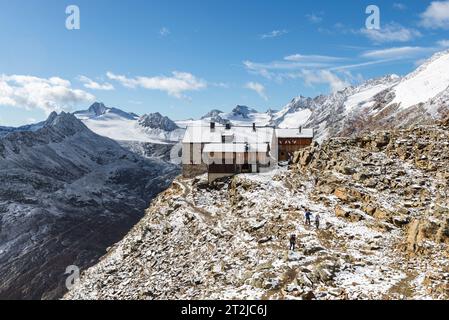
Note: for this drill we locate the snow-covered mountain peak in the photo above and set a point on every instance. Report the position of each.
(243, 111)
(211, 114)
(51, 118)
(128, 127)
(157, 121)
(98, 109)
(385, 80)
(428, 81)
(437, 58)
(64, 123)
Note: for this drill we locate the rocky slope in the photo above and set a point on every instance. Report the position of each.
(384, 231)
(30, 127)
(66, 194)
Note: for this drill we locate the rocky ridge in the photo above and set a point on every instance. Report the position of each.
(383, 235)
(66, 194)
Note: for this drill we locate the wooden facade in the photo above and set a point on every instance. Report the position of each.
(288, 146)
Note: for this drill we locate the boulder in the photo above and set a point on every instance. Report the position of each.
(381, 214)
(325, 271)
(420, 230)
(343, 195)
(348, 214)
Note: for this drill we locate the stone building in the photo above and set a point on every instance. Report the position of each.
(226, 150)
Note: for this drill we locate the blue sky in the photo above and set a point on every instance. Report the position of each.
(183, 58)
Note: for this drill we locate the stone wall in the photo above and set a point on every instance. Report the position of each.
(193, 170)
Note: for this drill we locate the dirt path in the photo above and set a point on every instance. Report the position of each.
(186, 192)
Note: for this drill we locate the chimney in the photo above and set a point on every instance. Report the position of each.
(254, 127)
(228, 126)
(300, 129)
(212, 125)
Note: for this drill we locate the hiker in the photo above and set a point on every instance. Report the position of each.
(317, 220)
(308, 214)
(292, 242)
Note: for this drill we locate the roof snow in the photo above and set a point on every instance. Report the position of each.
(236, 147)
(242, 134)
(295, 133)
(204, 134)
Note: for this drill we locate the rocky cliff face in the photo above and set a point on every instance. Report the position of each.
(157, 121)
(383, 234)
(66, 194)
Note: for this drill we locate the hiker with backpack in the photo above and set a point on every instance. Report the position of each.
(308, 214)
(292, 242)
(317, 220)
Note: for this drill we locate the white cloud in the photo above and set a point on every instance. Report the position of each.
(392, 32)
(359, 65)
(397, 52)
(222, 85)
(436, 15)
(164, 32)
(399, 6)
(312, 58)
(29, 92)
(326, 77)
(175, 85)
(312, 69)
(271, 70)
(273, 34)
(90, 84)
(258, 88)
(443, 43)
(314, 18)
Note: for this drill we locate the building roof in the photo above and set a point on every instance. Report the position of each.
(295, 133)
(236, 147)
(240, 134)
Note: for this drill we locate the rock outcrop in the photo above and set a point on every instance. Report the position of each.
(157, 121)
